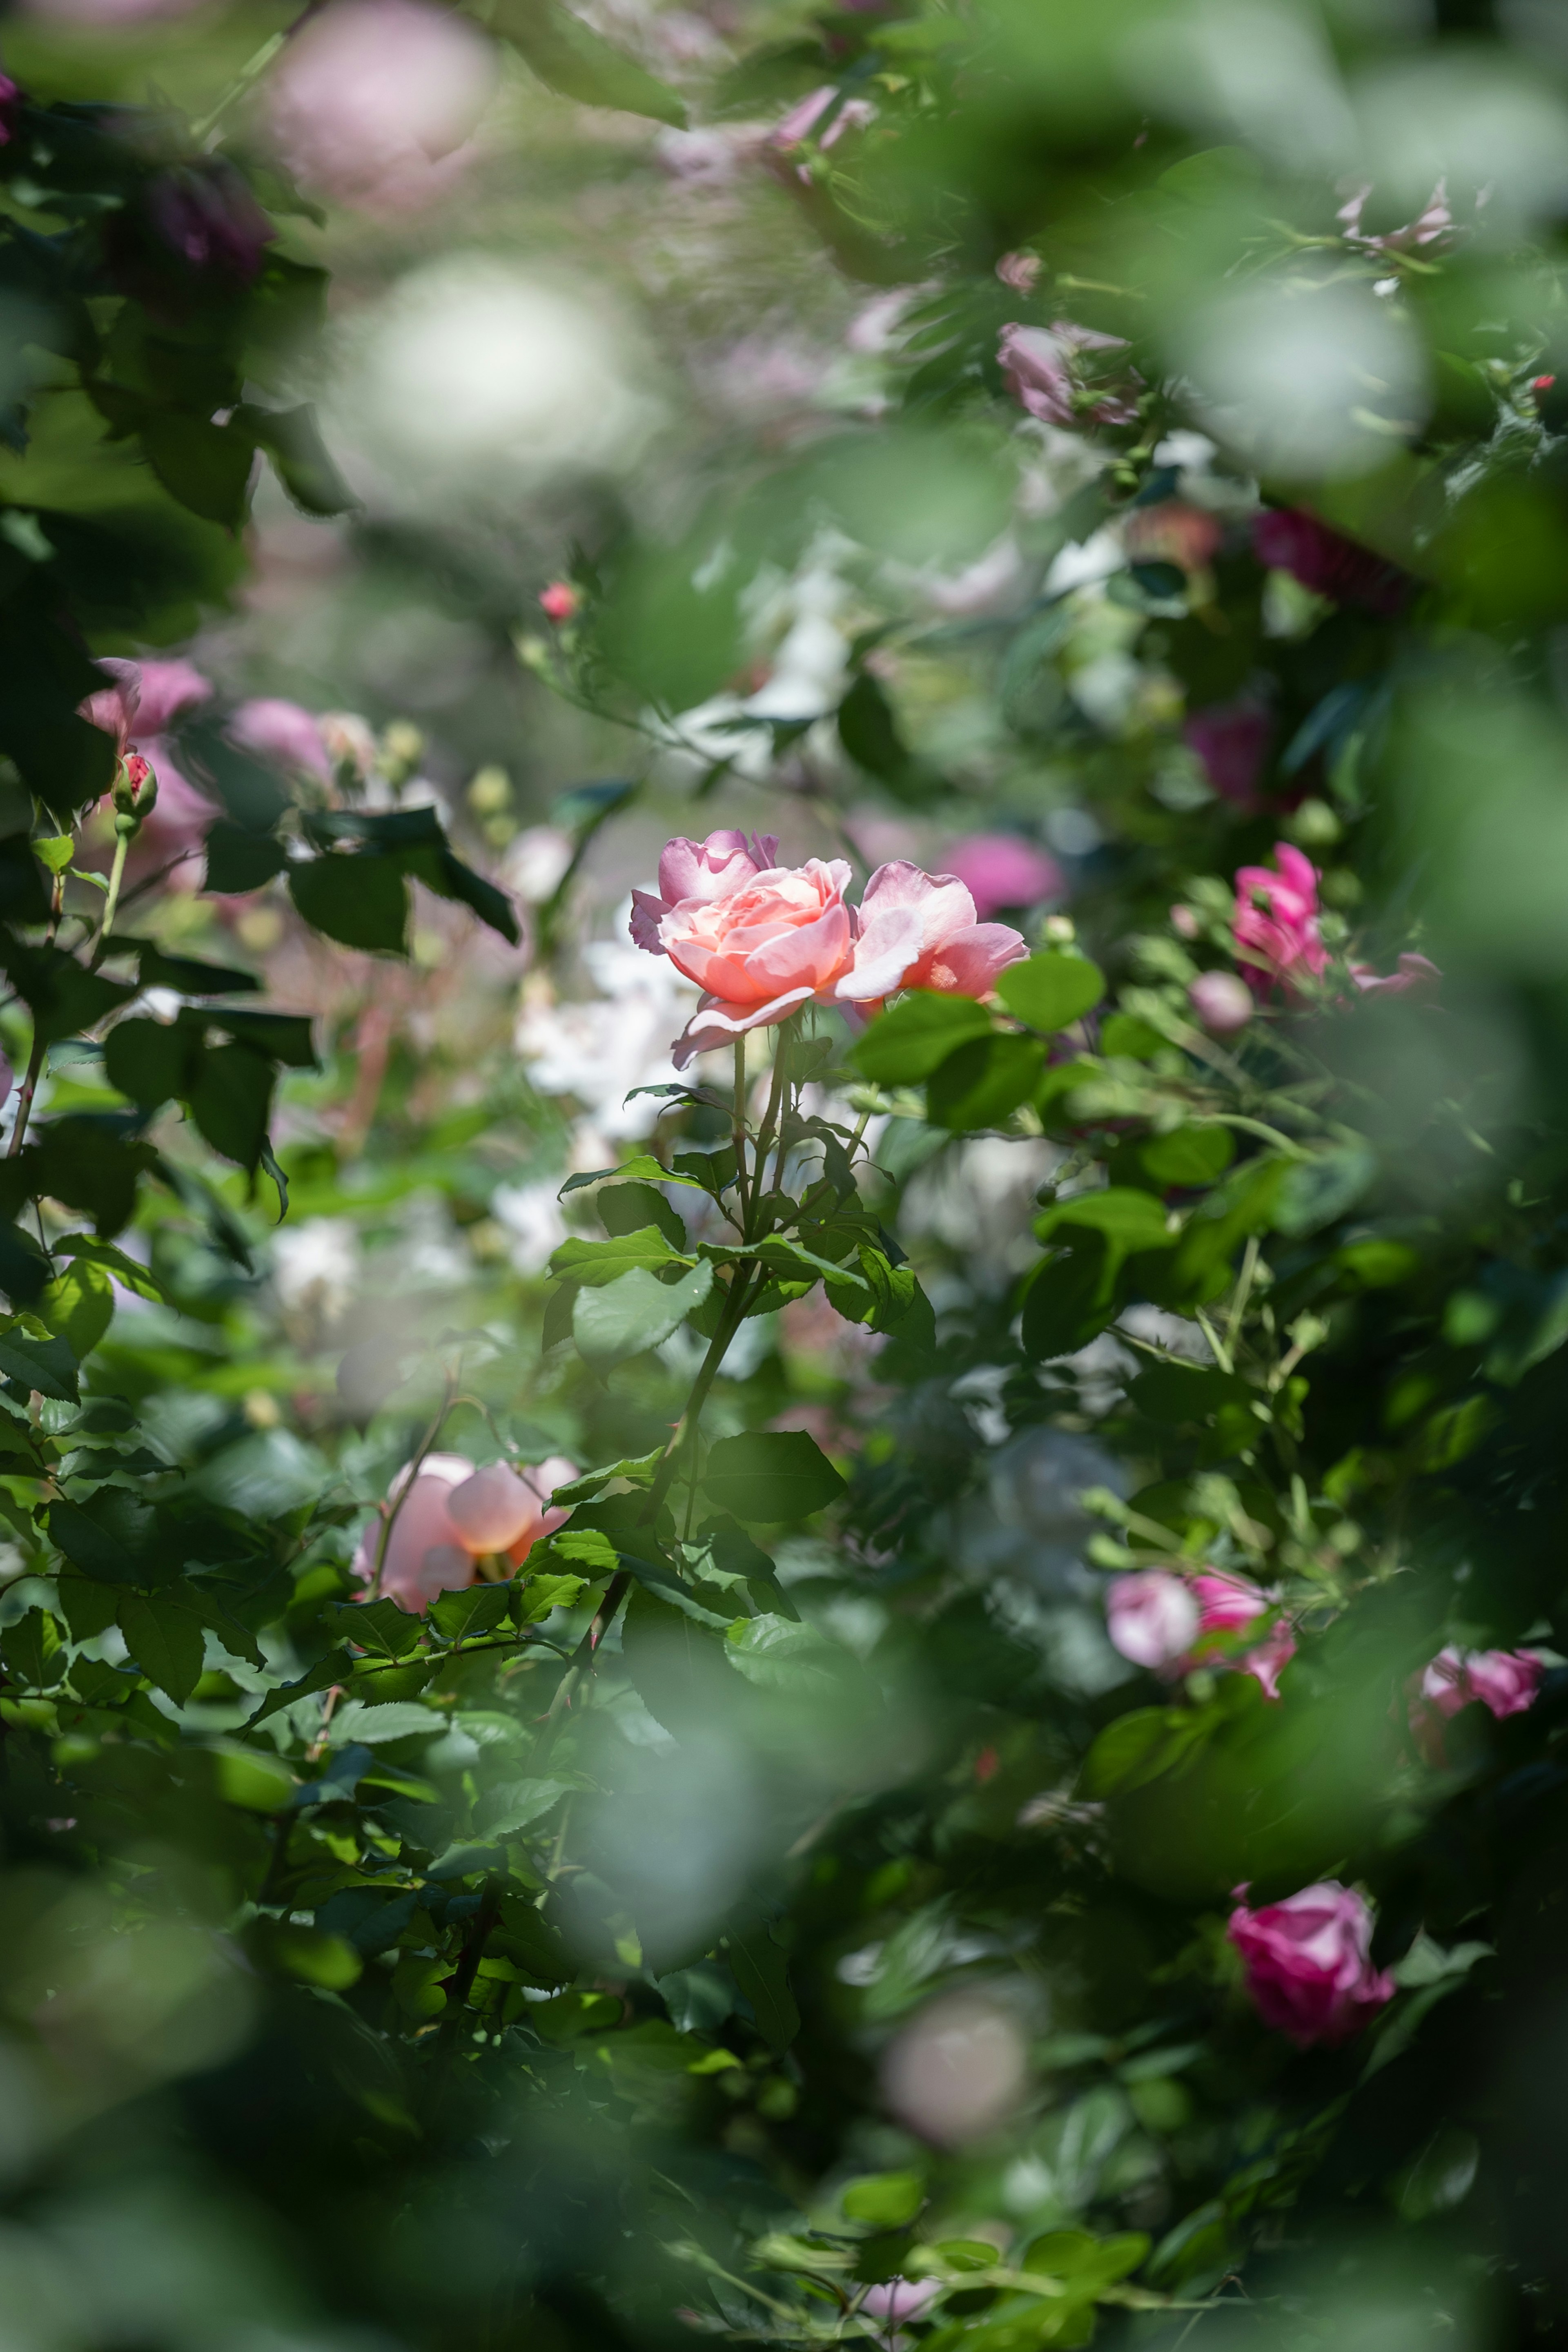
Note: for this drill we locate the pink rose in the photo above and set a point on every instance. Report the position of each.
(454, 1515)
(1231, 741)
(898, 2299)
(284, 734)
(1276, 921)
(998, 869)
(1223, 1004)
(560, 600)
(373, 102)
(1020, 271)
(143, 699)
(1308, 1963)
(915, 929)
(725, 861)
(1416, 975)
(1505, 1682)
(1038, 368)
(759, 953)
(1286, 539)
(1152, 1617)
(1225, 1603)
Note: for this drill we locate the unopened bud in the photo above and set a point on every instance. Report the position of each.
(133, 792)
(403, 747)
(1059, 931)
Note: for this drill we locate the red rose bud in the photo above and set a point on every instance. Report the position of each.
(559, 602)
(133, 792)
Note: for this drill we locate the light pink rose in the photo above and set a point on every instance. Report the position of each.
(725, 861)
(898, 2299)
(915, 929)
(1039, 368)
(454, 1515)
(1505, 1682)
(1152, 1617)
(1223, 1004)
(284, 734)
(999, 871)
(759, 953)
(1416, 975)
(1020, 271)
(1276, 923)
(500, 1509)
(373, 102)
(1309, 1966)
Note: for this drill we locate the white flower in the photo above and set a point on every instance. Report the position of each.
(535, 865)
(600, 1050)
(315, 1266)
(531, 1215)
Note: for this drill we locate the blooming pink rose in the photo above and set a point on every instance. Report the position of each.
(898, 2299)
(1222, 1003)
(282, 733)
(914, 929)
(1505, 1682)
(1152, 1617)
(1231, 741)
(1286, 539)
(1037, 366)
(373, 102)
(1416, 975)
(725, 861)
(998, 869)
(760, 952)
(1308, 1963)
(454, 1515)
(1276, 921)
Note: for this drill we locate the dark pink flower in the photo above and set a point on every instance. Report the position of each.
(207, 218)
(1228, 1605)
(1231, 741)
(143, 700)
(1225, 1603)
(1416, 975)
(560, 600)
(1041, 367)
(1287, 540)
(998, 869)
(1275, 925)
(1505, 1682)
(1309, 1966)
(1268, 1662)
(10, 109)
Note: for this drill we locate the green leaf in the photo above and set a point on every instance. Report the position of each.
(869, 732)
(62, 997)
(983, 1083)
(32, 1651)
(1314, 1192)
(1130, 1219)
(238, 861)
(1051, 990)
(187, 974)
(1178, 1392)
(887, 2200)
(150, 1062)
(283, 1036)
(335, 1667)
(113, 1261)
(606, 1262)
(761, 1971)
(479, 1609)
(292, 440)
(1084, 2262)
(1070, 1299)
(770, 1476)
(37, 1359)
(254, 1778)
(674, 1660)
(79, 1307)
(1191, 1156)
(626, 1209)
(361, 901)
(107, 1539)
(906, 1044)
(514, 1805)
(230, 1099)
(442, 871)
(165, 1638)
(636, 1312)
(641, 1164)
(638, 1470)
(382, 1628)
(533, 1600)
(569, 57)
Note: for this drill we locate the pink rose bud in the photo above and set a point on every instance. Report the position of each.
(1020, 271)
(1276, 921)
(898, 2299)
(491, 1509)
(1222, 1003)
(1308, 1963)
(1151, 1617)
(560, 600)
(1184, 922)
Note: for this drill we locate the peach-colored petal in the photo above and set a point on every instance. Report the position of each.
(492, 1509)
(970, 963)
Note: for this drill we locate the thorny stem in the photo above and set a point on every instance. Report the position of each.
(25, 1099)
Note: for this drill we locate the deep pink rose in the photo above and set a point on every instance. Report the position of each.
(998, 869)
(283, 733)
(1225, 1603)
(1276, 921)
(1152, 1617)
(1230, 739)
(1416, 975)
(725, 861)
(1505, 1682)
(914, 929)
(1223, 1004)
(898, 2299)
(1040, 368)
(1286, 539)
(1309, 1966)
(453, 1513)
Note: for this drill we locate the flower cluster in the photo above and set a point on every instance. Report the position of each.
(452, 1515)
(762, 939)
(1042, 367)
(1308, 1963)
(1170, 1623)
(1505, 1682)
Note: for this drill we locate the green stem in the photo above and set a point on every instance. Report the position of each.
(112, 904)
(25, 1099)
(406, 1489)
(737, 1123)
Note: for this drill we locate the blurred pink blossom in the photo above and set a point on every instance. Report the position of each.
(559, 602)
(1505, 1682)
(1223, 1004)
(453, 1514)
(1416, 975)
(10, 109)
(372, 102)
(1431, 226)
(1276, 921)
(1040, 368)
(1287, 540)
(1268, 1662)
(1152, 1617)
(1231, 740)
(143, 702)
(1172, 530)
(898, 2299)
(1225, 1603)
(284, 734)
(1309, 1966)
(998, 869)
(1020, 271)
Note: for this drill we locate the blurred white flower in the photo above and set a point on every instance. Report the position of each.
(372, 101)
(599, 1050)
(315, 1266)
(531, 1215)
(957, 2070)
(536, 862)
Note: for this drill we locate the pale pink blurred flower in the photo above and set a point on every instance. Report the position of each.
(1020, 271)
(802, 117)
(957, 2069)
(1276, 921)
(500, 1509)
(1309, 1966)
(873, 327)
(1040, 368)
(143, 702)
(1431, 226)
(898, 2299)
(1505, 1682)
(372, 102)
(1172, 530)
(283, 733)
(454, 1515)
(1416, 975)
(108, 12)
(999, 871)
(1185, 921)
(1223, 1004)
(1152, 1617)
(1231, 741)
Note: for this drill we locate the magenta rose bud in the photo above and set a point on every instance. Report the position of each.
(1275, 925)
(1223, 1004)
(1152, 1617)
(1226, 1603)
(1307, 1964)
